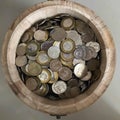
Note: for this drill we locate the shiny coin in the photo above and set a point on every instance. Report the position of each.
(68, 23)
(34, 69)
(65, 73)
(87, 77)
(77, 61)
(72, 82)
(67, 46)
(46, 45)
(67, 57)
(59, 87)
(21, 61)
(42, 58)
(95, 45)
(54, 77)
(72, 34)
(93, 64)
(55, 65)
(80, 70)
(67, 63)
(44, 76)
(58, 34)
(21, 49)
(57, 44)
(75, 91)
(41, 35)
(32, 48)
(54, 52)
(32, 83)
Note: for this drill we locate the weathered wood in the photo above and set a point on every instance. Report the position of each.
(44, 10)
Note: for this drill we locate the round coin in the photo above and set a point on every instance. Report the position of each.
(59, 87)
(67, 57)
(25, 37)
(67, 46)
(72, 82)
(74, 91)
(41, 35)
(34, 69)
(58, 34)
(87, 77)
(77, 61)
(21, 61)
(55, 65)
(44, 76)
(65, 73)
(54, 52)
(67, 63)
(42, 58)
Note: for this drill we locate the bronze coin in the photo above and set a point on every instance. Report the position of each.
(58, 34)
(96, 75)
(65, 73)
(55, 65)
(74, 91)
(93, 64)
(72, 82)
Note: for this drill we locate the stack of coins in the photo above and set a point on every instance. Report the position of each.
(59, 57)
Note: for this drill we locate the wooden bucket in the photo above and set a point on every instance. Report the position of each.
(44, 10)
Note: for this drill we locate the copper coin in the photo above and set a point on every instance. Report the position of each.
(93, 64)
(65, 73)
(72, 82)
(58, 34)
(55, 65)
(74, 91)
(96, 75)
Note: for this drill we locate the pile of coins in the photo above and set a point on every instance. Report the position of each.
(59, 57)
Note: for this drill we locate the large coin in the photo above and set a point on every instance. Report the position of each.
(59, 87)
(55, 65)
(65, 73)
(58, 34)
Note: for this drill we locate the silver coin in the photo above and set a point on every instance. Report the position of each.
(77, 61)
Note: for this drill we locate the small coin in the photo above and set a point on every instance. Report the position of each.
(80, 70)
(54, 77)
(26, 37)
(23, 68)
(34, 69)
(21, 49)
(58, 34)
(44, 76)
(75, 91)
(93, 64)
(67, 63)
(32, 83)
(67, 57)
(55, 65)
(87, 77)
(72, 34)
(67, 45)
(32, 48)
(57, 44)
(42, 58)
(72, 82)
(65, 73)
(31, 58)
(46, 45)
(41, 35)
(54, 52)
(95, 45)
(21, 61)
(77, 61)
(68, 23)
(59, 87)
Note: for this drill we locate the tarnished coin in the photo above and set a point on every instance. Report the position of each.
(67, 57)
(54, 77)
(43, 90)
(41, 35)
(55, 65)
(42, 58)
(77, 61)
(21, 61)
(72, 82)
(96, 75)
(74, 91)
(59, 87)
(44, 76)
(67, 45)
(34, 69)
(87, 77)
(58, 34)
(95, 45)
(54, 52)
(32, 58)
(32, 83)
(67, 63)
(93, 64)
(65, 73)
(32, 48)
(23, 68)
(80, 70)
(21, 49)
(68, 23)
(72, 34)
(46, 45)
